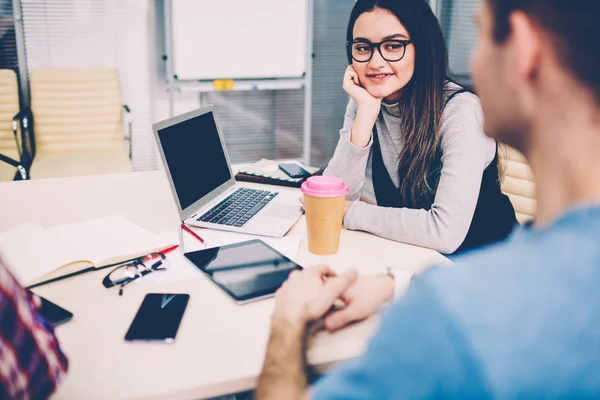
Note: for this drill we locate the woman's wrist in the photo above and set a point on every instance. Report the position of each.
(362, 128)
(370, 111)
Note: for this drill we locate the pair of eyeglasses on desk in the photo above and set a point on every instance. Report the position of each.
(132, 270)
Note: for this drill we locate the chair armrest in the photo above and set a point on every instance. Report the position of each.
(9, 160)
(25, 143)
(128, 135)
(16, 121)
(22, 171)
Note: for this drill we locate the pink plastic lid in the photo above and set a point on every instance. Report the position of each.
(325, 186)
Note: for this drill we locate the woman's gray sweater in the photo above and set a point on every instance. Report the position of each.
(467, 151)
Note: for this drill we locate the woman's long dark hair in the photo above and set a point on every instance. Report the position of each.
(423, 98)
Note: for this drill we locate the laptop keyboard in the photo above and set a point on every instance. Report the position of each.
(239, 207)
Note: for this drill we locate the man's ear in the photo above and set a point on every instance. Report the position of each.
(526, 50)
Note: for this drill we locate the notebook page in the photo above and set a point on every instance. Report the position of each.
(30, 251)
(109, 239)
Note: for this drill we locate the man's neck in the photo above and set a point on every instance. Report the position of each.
(565, 156)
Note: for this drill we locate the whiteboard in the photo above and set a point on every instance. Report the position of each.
(239, 39)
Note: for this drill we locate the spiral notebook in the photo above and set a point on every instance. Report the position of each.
(268, 172)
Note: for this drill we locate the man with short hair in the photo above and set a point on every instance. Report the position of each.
(520, 319)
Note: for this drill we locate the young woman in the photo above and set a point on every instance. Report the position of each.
(435, 173)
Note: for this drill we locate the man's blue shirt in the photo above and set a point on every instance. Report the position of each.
(520, 319)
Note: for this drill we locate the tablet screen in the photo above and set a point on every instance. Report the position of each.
(245, 270)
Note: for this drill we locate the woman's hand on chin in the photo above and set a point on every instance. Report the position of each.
(352, 86)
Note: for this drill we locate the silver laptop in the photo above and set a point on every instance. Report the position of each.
(193, 152)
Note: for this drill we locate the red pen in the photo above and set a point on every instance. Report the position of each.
(191, 232)
(163, 252)
(169, 249)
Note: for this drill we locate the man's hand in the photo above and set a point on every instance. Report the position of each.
(307, 295)
(304, 297)
(363, 299)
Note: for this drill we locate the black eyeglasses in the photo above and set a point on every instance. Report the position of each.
(122, 275)
(391, 50)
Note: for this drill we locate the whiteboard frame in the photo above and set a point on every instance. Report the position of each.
(201, 86)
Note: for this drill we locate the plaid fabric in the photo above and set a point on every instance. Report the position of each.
(31, 362)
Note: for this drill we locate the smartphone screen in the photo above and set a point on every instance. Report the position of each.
(294, 170)
(54, 314)
(158, 317)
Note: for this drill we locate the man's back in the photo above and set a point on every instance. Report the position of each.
(31, 360)
(516, 320)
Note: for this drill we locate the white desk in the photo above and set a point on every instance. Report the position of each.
(220, 346)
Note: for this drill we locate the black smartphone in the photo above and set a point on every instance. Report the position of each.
(158, 318)
(294, 170)
(54, 314)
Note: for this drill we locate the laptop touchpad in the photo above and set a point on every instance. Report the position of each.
(285, 211)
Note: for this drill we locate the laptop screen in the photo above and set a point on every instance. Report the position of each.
(195, 157)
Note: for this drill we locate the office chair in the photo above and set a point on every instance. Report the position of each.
(14, 157)
(78, 122)
(518, 183)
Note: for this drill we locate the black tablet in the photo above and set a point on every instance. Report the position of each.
(247, 271)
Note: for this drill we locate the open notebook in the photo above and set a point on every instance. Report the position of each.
(35, 254)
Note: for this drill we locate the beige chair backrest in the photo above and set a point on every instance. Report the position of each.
(9, 107)
(76, 108)
(518, 183)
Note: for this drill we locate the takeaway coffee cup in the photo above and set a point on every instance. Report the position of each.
(324, 201)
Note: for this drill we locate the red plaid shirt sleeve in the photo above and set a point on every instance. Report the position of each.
(31, 361)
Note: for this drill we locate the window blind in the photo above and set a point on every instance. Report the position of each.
(8, 46)
(259, 125)
(457, 20)
(330, 62)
